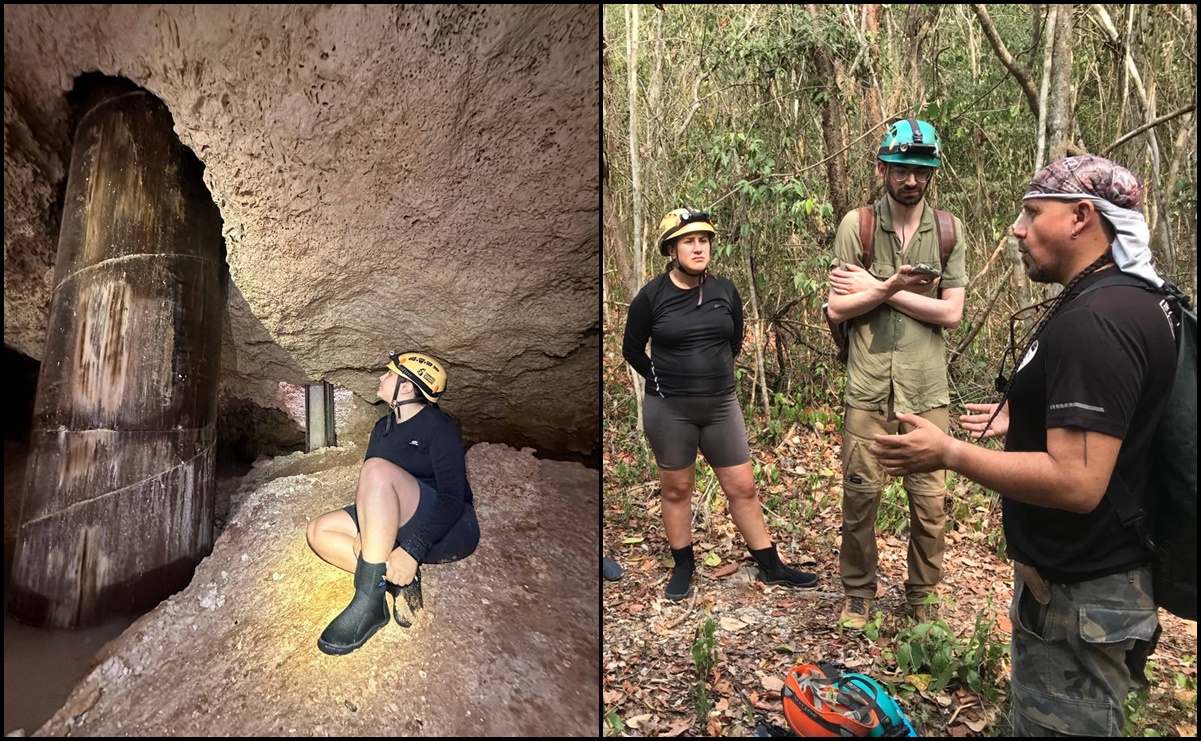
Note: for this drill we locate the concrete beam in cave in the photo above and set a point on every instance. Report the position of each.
(319, 428)
(118, 506)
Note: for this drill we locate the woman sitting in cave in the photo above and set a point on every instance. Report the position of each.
(413, 506)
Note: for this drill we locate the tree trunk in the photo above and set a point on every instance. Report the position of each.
(871, 24)
(639, 263)
(1058, 113)
(616, 239)
(832, 124)
(757, 320)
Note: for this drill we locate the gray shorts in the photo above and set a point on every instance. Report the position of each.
(457, 543)
(678, 425)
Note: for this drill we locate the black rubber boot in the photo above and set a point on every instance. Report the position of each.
(680, 585)
(773, 571)
(366, 613)
(610, 569)
(410, 594)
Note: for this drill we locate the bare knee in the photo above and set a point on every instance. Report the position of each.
(675, 493)
(312, 532)
(374, 470)
(741, 492)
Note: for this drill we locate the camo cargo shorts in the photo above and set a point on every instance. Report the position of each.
(1076, 658)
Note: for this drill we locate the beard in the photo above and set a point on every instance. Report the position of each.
(904, 195)
(1033, 271)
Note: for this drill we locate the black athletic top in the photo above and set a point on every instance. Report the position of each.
(1106, 363)
(692, 347)
(428, 446)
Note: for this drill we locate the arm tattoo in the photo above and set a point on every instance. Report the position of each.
(1085, 448)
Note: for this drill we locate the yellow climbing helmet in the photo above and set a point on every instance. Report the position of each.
(683, 221)
(426, 373)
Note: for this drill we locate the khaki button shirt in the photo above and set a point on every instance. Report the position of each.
(889, 350)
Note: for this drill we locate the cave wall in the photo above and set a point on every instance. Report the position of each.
(400, 177)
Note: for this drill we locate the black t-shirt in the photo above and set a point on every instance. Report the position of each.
(692, 346)
(428, 446)
(1105, 363)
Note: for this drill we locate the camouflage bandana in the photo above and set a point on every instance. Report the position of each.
(1116, 193)
(1087, 176)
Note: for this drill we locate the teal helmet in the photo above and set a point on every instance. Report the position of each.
(892, 720)
(911, 142)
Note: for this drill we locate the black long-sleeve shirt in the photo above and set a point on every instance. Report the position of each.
(692, 347)
(428, 446)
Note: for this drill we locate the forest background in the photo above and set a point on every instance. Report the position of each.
(769, 117)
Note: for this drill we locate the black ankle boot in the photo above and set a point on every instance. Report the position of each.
(773, 571)
(680, 585)
(366, 613)
(411, 596)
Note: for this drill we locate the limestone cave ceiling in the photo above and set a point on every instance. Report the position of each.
(417, 177)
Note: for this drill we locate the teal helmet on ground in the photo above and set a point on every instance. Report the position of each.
(892, 720)
(911, 142)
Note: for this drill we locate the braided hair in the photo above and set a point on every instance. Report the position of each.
(1004, 385)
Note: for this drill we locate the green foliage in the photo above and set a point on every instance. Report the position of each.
(928, 648)
(732, 119)
(981, 656)
(704, 655)
(1175, 689)
(614, 722)
(871, 629)
(893, 514)
(933, 649)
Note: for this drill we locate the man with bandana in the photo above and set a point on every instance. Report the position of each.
(1078, 418)
(896, 363)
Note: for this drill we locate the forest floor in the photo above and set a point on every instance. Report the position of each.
(712, 664)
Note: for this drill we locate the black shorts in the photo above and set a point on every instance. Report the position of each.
(678, 425)
(458, 542)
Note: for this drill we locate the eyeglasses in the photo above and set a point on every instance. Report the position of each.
(901, 174)
(1026, 315)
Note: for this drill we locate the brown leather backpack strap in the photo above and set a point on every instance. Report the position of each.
(944, 224)
(867, 235)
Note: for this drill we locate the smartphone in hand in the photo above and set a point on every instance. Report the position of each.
(925, 271)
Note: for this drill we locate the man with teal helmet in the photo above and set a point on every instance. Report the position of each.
(896, 361)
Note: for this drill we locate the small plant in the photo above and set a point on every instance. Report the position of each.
(871, 630)
(981, 655)
(893, 514)
(933, 649)
(704, 655)
(928, 648)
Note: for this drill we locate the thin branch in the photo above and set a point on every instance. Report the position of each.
(696, 86)
(1122, 140)
(806, 167)
(1003, 54)
(958, 351)
(1049, 49)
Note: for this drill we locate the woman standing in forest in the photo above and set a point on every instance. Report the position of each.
(695, 321)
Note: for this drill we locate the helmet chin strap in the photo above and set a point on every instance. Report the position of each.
(686, 271)
(700, 298)
(395, 405)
